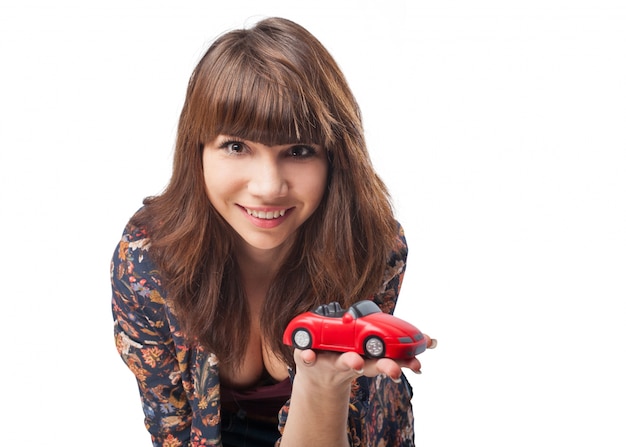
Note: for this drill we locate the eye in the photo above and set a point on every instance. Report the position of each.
(233, 147)
(302, 151)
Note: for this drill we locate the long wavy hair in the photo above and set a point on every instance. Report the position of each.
(273, 83)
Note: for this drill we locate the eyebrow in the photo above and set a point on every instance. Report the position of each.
(228, 137)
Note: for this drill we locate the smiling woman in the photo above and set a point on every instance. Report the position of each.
(265, 193)
(272, 209)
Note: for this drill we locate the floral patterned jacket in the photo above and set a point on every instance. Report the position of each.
(179, 384)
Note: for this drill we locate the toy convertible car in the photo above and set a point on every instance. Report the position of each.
(362, 328)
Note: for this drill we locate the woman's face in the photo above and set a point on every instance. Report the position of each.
(264, 192)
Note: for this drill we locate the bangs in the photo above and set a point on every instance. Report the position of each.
(265, 102)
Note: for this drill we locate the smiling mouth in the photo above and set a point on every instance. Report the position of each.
(267, 215)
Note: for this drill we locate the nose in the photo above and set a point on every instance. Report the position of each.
(267, 179)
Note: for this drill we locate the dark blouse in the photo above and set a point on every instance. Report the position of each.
(179, 384)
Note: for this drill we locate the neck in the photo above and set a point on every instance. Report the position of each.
(258, 268)
(260, 262)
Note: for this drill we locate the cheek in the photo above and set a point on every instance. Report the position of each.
(314, 183)
(217, 180)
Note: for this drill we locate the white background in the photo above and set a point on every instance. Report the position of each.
(500, 131)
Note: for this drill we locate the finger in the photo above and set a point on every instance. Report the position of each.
(305, 357)
(389, 367)
(392, 368)
(412, 364)
(353, 361)
(431, 343)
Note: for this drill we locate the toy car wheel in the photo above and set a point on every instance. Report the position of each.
(374, 347)
(301, 338)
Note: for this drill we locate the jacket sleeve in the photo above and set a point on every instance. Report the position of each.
(380, 409)
(143, 340)
(387, 297)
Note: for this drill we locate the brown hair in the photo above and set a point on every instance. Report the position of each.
(275, 84)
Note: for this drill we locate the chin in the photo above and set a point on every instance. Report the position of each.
(265, 243)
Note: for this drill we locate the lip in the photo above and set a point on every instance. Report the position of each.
(265, 223)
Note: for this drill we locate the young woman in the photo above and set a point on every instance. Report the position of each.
(273, 208)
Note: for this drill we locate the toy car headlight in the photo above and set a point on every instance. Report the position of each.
(405, 340)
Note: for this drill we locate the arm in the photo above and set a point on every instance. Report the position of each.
(325, 393)
(142, 339)
(319, 400)
(321, 397)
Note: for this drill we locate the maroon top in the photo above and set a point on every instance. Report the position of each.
(261, 402)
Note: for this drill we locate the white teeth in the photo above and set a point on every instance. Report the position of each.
(268, 215)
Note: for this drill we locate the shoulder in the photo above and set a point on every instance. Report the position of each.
(396, 262)
(387, 296)
(134, 237)
(132, 268)
(400, 250)
(134, 245)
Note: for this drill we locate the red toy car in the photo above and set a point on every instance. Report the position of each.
(362, 328)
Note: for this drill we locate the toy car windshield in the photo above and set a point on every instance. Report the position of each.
(332, 310)
(358, 310)
(363, 308)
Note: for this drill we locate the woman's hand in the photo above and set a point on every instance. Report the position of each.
(329, 368)
(331, 373)
(321, 393)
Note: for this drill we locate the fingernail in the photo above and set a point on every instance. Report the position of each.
(433, 343)
(398, 380)
(359, 371)
(419, 371)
